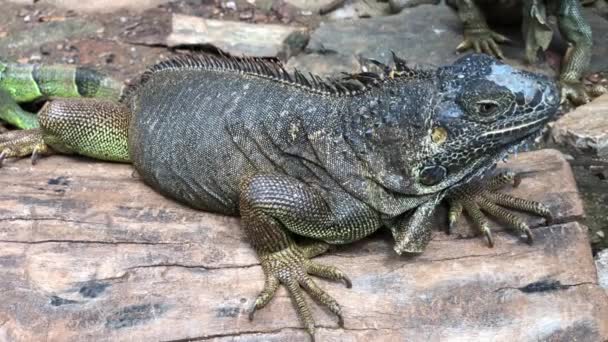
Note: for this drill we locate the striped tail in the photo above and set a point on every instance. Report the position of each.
(31, 82)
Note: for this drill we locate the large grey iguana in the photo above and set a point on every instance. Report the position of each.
(533, 15)
(332, 161)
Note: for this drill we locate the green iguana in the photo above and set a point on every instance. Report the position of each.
(295, 155)
(533, 16)
(21, 83)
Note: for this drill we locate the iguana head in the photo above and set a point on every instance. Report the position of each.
(485, 107)
(427, 131)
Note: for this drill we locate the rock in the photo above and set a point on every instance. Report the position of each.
(261, 40)
(328, 65)
(601, 263)
(87, 251)
(310, 5)
(355, 9)
(585, 129)
(599, 26)
(429, 34)
(398, 5)
(44, 33)
(421, 35)
(105, 6)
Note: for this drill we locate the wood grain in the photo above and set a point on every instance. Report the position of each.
(89, 253)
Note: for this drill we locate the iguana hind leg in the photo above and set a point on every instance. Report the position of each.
(272, 207)
(93, 128)
(478, 198)
(15, 144)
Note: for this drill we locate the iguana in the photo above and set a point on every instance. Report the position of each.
(23, 83)
(532, 15)
(331, 161)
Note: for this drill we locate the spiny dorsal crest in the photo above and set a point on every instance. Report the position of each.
(272, 68)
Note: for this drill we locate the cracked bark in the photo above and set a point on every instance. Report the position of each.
(122, 262)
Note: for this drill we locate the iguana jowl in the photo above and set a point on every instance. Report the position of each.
(332, 161)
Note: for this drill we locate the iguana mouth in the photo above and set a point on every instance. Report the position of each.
(512, 149)
(513, 130)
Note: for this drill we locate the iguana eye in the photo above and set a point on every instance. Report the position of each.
(486, 107)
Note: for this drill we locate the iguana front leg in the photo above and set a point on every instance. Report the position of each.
(480, 197)
(477, 33)
(576, 31)
(274, 206)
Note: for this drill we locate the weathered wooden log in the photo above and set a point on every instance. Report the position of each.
(89, 253)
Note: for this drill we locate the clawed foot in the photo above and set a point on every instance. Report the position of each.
(578, 94)
(483, 40)
(479, 198)
(21, 143)
(292, 267)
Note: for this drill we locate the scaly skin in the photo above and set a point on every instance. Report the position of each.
(478, 197)
(329, 161)
(537, 33)
(20, 83)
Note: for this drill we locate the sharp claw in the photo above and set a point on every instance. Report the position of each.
(2, 157)
(516, 180)
(311, 331)
(502, 39)
(35, 157)
(464, 45)
(349, 284)
(254, 308)
(549, 219)
(529, 237)
(451, 225)
(341, 321)
(488, 233)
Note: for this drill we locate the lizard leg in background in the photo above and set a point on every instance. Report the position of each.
(575, 29)
(11, 112)
(89, 127)
(477, 34)
(272, 207)
(483, 197)
(21, 83)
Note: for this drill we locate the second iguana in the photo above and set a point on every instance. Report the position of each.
(329, 160)
(533, 16)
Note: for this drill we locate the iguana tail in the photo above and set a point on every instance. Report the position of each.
(30, 82)
(21, 83)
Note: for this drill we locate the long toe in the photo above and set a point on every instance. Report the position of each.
(322, 297)
(301, 306)
(328, 272)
